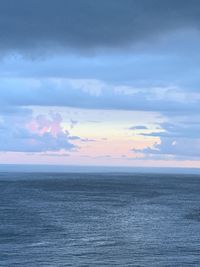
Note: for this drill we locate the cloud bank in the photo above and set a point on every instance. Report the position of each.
(91, 24)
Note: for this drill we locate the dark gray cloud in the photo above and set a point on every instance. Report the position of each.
(87, 24)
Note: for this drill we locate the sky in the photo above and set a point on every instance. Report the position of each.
(100, 83)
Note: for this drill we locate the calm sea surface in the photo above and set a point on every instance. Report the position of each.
(99, 220)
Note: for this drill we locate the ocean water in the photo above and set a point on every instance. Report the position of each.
(99, 220)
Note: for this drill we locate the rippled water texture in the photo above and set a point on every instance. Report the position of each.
(99, 220)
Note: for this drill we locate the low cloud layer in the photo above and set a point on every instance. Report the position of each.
(94, 94)
(27, 24)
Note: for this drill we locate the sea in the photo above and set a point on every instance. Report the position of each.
(99, 219)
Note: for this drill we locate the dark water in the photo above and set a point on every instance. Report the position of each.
(99, 220)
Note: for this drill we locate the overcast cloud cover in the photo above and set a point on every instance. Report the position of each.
(91, 23)
(132, 55)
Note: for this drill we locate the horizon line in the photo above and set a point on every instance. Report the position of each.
(95, 169)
